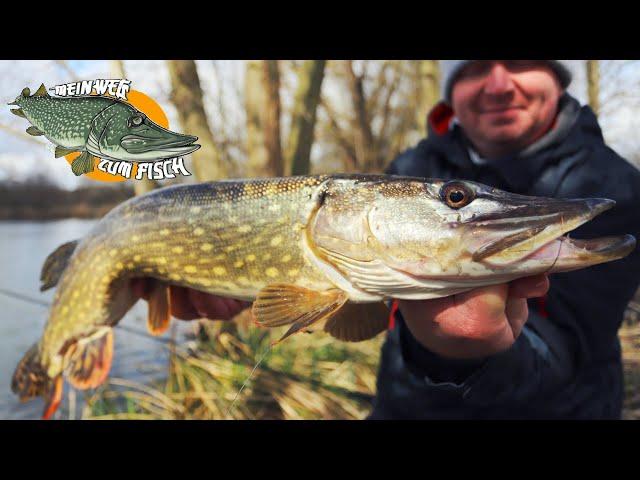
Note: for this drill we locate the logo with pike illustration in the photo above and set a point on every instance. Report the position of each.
(100, 126)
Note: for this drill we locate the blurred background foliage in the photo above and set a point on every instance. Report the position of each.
(271, 118)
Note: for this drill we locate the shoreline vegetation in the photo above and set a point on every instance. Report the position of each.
(40, 201)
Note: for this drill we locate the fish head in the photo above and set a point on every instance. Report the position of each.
(459, 232)
(132, 136)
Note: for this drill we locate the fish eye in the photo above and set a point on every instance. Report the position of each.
(456, 195)
(135, 121)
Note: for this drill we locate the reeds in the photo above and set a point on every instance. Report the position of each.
(308, 376)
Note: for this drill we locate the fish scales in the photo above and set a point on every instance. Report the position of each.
(311, 252)
(228, 238)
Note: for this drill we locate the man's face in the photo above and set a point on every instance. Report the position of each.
(505, 105)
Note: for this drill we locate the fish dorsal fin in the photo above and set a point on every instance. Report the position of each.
(90, 361)
(355, 322)
(55, 264)
(41, 92)
(284, 304)
(19, 112)
(34, 131)
(26, 92)
(159, 316)
(62, 151)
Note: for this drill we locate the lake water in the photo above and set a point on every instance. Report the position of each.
(23, 248)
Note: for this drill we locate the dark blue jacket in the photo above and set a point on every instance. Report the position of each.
(567, 361)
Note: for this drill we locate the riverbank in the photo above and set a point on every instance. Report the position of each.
(37, 202)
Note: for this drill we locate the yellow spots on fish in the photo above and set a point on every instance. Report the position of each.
(204, 282)
(230, 248)
(126, 251)
(243, 280)
(244, 228)
(158, 245)
(198, 231)
(219, 270)
(177, 249)
(286, 258)
(272, 272)
(206, 247)
(130, 265)
(293, 272)
(147, 270)
(274, 207)
(275, 241)
(175, 276)
(137, 258)
(113, 252)
(75, 294)
(195, 209)
(190, 269)
(238, 264)
(164, 232)
(161, 260)
(250, 258)
(175, 265)
(220, 256)
(119, 265)
(266, 256)
(204, 261)
(135, 238)
(64, 310)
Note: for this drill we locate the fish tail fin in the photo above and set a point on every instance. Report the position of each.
(31, 380)
(90, 361)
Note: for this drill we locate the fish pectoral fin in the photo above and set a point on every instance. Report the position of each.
(41, 92)
(159, 316)
(34, 131)
(19, 112)
(283, 304)
(62, 151)
(55, 264)
(82, 164)
(356, 322)
(90, 361)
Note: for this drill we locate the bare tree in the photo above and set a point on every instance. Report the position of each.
(303, 118)
(593, 85)
(427, 90)
(186, 95)
(262, 103)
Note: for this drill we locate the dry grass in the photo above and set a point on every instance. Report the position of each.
(306, 377)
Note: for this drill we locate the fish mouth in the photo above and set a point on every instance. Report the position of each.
(168, 144)
(533, 234)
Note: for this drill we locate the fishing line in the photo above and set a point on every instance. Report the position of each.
(244, 384)
(29, 299)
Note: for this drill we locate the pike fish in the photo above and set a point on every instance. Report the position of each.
(315, 252)
(99, 126)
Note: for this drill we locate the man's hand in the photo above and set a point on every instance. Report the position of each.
(475, 324)
(188, 304)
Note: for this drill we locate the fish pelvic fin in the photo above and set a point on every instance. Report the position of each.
(55, 265)
(34, 131)
(82, 164)
(90, 361)
(356, 322)
(159, 316)
(31, 380)
(283, 304)
(62, 151)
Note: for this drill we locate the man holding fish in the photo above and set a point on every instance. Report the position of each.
(489, 353)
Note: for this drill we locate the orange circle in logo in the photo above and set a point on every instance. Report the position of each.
(151, 109)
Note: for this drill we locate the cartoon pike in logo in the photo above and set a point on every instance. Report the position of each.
(99, 126)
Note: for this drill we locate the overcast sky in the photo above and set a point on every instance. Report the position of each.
(21, 157)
